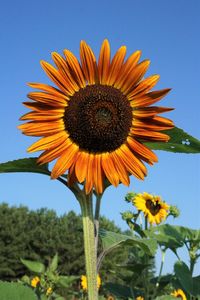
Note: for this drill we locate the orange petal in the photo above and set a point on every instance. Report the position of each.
(65, 161)
(109, 169)
(47, 88)
(144, 86)
(75, 68)
(127, 68)
(151, 111)
(48, 142)
(104, 62)
(142, 150)
(88, 63)
(56, 77)
(89, 177)
(81, 166)
(116, 65)
(98, 178)
(65, 72)
(50, 155)
(42, 128)
(148, 99)
(131, 162)
(48, 99)
(120, 168)
(156, 123)
(135, 76)
(43, 116)
(37, 106)
(149, 135)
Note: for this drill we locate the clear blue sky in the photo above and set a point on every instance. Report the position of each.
(167, 32)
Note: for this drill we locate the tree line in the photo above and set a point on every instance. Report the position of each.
(38, 235)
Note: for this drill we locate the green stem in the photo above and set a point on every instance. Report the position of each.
(161, 266)
(89, 245)
(146, 289)
(192, 264)
(96, 219)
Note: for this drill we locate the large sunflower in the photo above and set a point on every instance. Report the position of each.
(96, 120)
(152, 206)
(179, 294)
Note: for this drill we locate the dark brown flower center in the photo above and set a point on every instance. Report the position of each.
(98, 118)
(154, 208)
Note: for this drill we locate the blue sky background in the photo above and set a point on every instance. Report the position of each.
(167, 32)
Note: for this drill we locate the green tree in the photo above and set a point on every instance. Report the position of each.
(38, 235)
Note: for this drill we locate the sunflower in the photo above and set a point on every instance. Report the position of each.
(179, 294)
(139, 298)
(152, 206)
(95, 120)
(35, 281)
(84, 282)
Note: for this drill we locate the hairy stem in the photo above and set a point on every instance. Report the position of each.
(89, 245)
(146, 289)
(96, 220)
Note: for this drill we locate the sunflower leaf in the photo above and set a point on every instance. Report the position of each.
(180, 141)
(118, 290)
(111, 240)
(24, 165)
(16, 291)
(34, 266)
(167, 235)
(184, 276)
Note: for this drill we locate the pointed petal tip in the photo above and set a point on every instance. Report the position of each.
(106, 42)
(54, 54)
(123, 48)
(83, 43)
(43, 63)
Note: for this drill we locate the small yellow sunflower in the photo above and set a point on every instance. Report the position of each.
(49, 291)
(139, 298)
(35, 281)
(152, 206)
(95, 120)
(84, 282)
(179, 294)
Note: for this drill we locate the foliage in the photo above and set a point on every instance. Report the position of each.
(140, 279)
(37, 235)
(15, 291)
(49, 281)
(180, 141)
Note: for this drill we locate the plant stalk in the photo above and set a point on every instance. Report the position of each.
(89, 245)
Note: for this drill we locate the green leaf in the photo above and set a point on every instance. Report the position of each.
(167, 235)
(34, 266)
(183, 274)
(196, 286)
(180, 141)
(16, 291)
(66, 281)
(25, 279)
(54, 263)
(118, 290)
(111, 240)
(24, 165)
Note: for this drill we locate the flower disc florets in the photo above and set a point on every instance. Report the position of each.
(98, 118)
